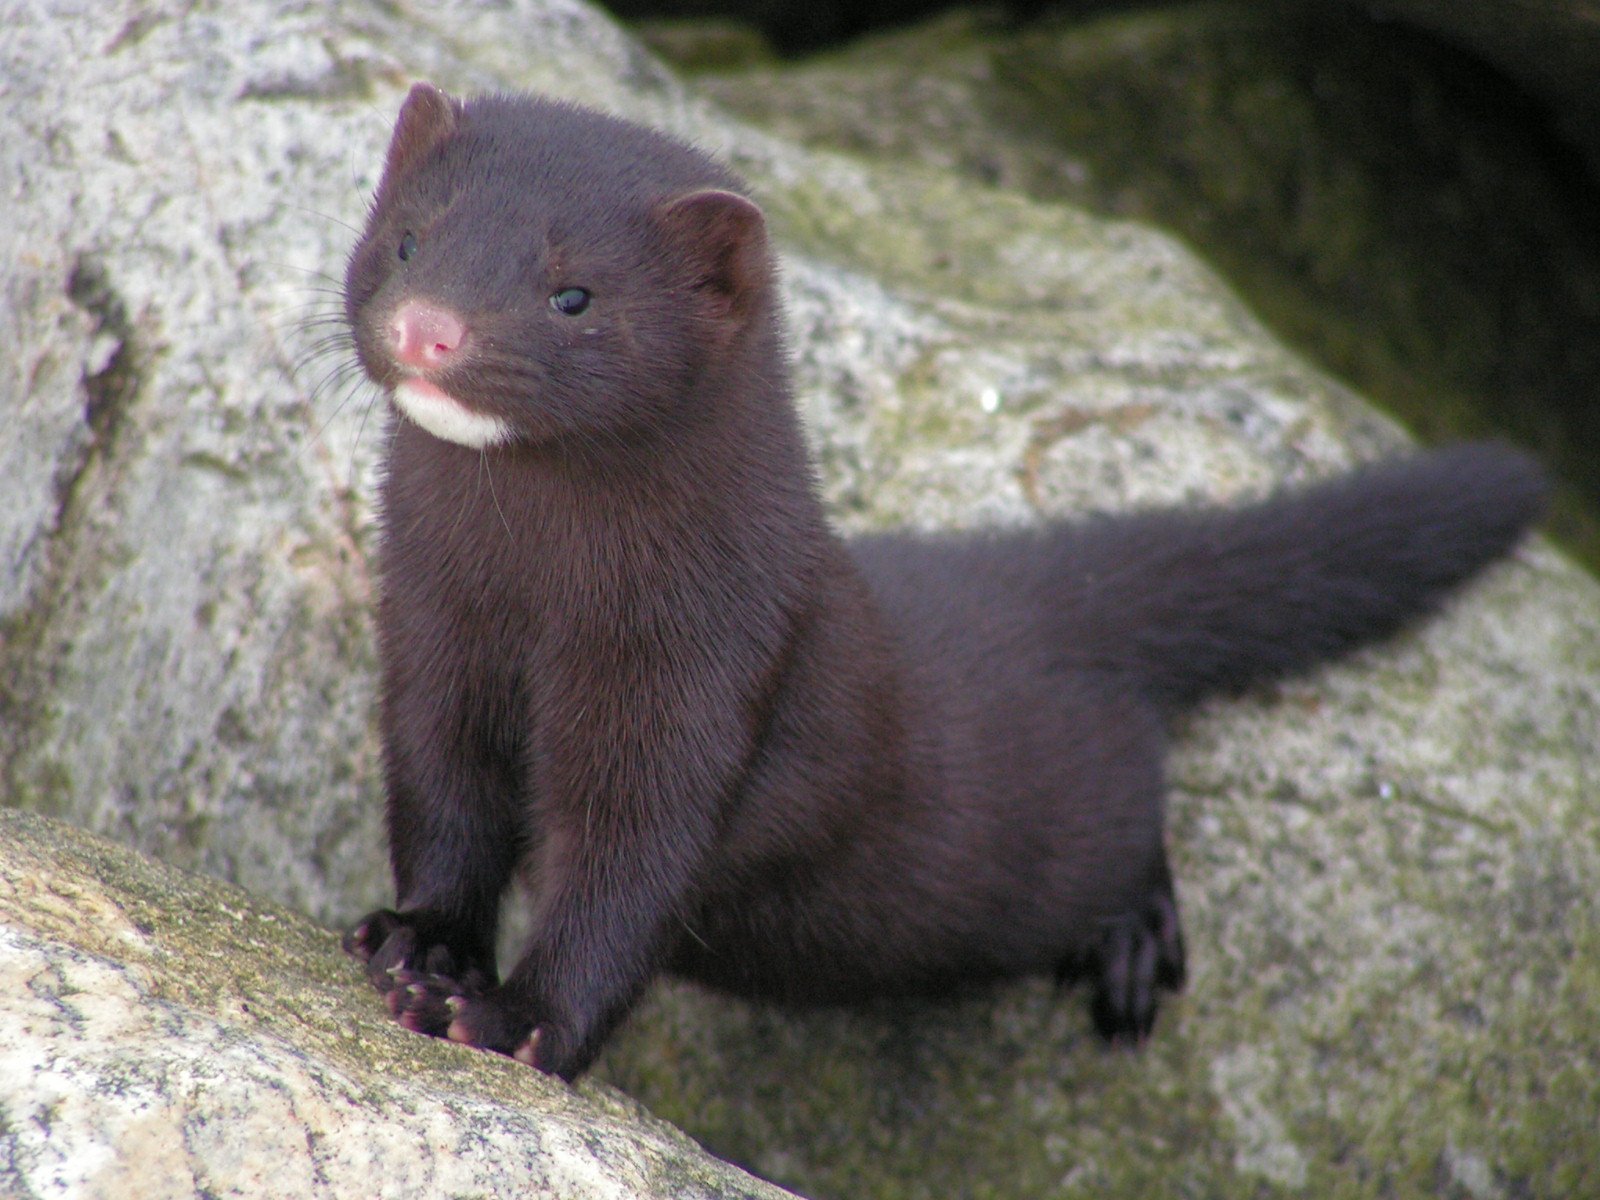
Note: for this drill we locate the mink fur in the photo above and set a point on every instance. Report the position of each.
(625, 659)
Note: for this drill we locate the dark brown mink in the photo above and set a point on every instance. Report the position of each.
(625, 659)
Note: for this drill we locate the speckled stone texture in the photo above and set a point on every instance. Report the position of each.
(170, 1036)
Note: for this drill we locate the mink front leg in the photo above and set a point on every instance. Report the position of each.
(454, 830)
(601, 938)
(628, 801)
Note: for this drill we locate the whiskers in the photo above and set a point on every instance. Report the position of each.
(323, 361)
(486, 473)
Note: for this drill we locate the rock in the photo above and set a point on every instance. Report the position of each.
(1387, 869)
(1550, 47)
(1394, 209)
(169, 1035)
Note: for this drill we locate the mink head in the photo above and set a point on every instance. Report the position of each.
(531, 271)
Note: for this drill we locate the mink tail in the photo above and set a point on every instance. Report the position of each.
(1214, 601)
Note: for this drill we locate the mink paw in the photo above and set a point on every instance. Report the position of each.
(462, 1011)
(1140, 955)
(393, 944)
(424, 1003)
(372, 932)
(431, 988)
(481, 1022)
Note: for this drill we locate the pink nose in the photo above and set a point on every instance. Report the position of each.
(425, 336)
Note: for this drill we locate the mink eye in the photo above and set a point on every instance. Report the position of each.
(408, 245)
(570, 301)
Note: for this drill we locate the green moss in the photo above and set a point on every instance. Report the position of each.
(48, 790)
(215, 464)
(1397, 212)
(706, 44)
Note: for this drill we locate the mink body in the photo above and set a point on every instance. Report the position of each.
(625, 659)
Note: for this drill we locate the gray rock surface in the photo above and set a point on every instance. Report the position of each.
(1388, 870)
(167, 1035)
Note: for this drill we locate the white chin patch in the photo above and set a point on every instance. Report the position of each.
(442, 415)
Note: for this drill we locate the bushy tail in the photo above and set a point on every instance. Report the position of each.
(1195, 603)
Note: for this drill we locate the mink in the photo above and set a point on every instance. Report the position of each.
(626, 661)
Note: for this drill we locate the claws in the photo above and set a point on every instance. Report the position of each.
(1140, 956)
(355, 943)
(528, 1052)
(440, 987)
(459, 1030)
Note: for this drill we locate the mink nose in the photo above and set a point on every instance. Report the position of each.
(425, 335)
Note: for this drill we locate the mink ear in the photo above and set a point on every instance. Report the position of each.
(427, 118)
(722, 237)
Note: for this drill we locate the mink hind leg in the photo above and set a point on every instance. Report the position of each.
(1139, 955)
(1130, 949)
